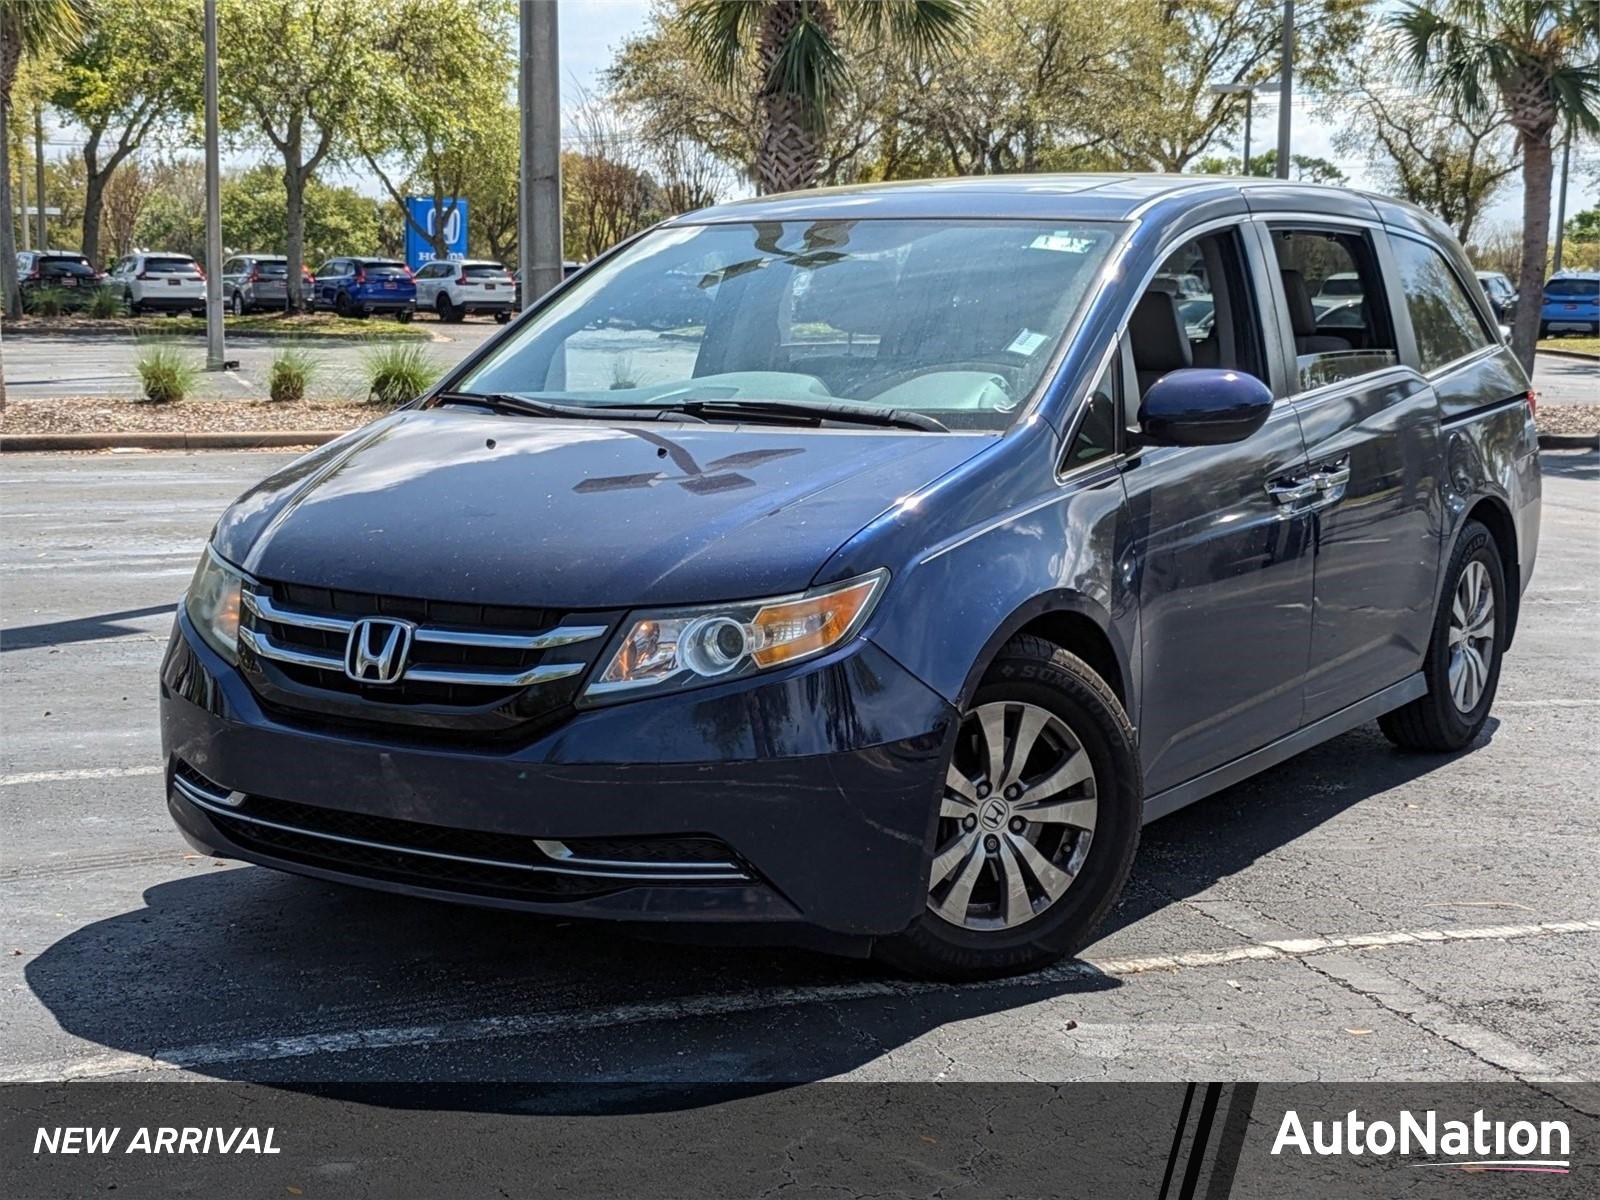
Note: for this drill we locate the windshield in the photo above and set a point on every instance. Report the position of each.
(954, 319)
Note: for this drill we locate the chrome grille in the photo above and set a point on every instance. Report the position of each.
(471, 669)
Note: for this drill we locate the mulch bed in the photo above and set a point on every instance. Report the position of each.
(105, 414)
(1568, 418)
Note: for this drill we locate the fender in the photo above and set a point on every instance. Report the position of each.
(1045, 605)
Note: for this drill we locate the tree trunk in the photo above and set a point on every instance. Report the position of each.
(294, 186)
(1535, 240)
(8, 235)
(789, 151)
(94, 196)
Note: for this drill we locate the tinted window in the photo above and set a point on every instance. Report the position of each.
(380, 269)
(1097, 431)
(1197, 311)
(170, 266)
(272, 270)
(1572, 289)
(1333, 296)
(1443, 318)
(484, 271)
(65, 266)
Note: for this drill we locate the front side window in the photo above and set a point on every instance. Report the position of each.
(1096, 435)
(1333, 293)
(1444, 320)
(955, 319)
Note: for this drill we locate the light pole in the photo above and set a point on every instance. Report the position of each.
(539, 193)
(38, 174)
(1286, 92)
(214, 347)
(1248, 91)
(1561, 204)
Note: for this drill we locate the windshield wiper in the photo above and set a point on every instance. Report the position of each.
(794, 412)
(527, 406)
(813, 414)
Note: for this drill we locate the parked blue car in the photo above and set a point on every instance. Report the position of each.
(1571, 304)
(359, 287)
(879, 607)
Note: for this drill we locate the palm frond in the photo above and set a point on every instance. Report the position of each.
(925, 27)
(718, 31)
(42, 27)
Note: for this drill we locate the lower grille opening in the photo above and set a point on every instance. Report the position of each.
(472, 862)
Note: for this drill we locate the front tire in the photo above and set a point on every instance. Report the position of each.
(1038, 822)
(238, 304)
(1462, 666)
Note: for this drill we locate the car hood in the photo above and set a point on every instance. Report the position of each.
(452, 505)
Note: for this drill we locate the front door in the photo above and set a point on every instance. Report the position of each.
(1222, 546)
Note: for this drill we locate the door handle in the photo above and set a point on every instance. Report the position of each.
(1331, 480)
(1292, 491)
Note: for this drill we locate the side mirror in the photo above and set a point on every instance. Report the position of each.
(1200, 406)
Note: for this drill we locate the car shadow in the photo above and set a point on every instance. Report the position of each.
(1570, 464)
(252, 975)
(79, 629)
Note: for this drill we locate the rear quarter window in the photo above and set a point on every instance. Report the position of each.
(1445, 321)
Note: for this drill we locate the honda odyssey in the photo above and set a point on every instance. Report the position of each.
(880, 605)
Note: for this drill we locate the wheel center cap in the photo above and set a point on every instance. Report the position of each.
(993, 814)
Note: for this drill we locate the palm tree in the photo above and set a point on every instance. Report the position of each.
(1539, 58)
(28, 29)
(799, 66)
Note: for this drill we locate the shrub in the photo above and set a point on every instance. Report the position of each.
(46, 301)
(290, 374)
(166, 374)
(103, 304)
(396, 374)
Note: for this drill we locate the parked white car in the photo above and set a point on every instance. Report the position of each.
(152, 281)
(454, 289)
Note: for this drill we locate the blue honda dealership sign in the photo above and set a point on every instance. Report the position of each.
(454, 219)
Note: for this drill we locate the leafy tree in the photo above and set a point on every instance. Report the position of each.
(1584, 226)
(799, 68)
(1203, 42)
(29, 29)
(491, 187)
(1540, 60)
(137, 68)
(1306, 168)
(339, 220)
(448, 70)
(1435, 155)
(298, 73)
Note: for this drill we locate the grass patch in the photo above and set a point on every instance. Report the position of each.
(290, 374)
(396, 374)
(307, 326)
(166, 374)
(46, 301)
(1584, 345)
(103, 305)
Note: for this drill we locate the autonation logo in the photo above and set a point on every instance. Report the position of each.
(1478, 1144)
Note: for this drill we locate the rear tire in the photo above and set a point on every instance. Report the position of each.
(448, 313)
(1462, 665)
(238, 304)
(343, 306)
(404, 315)
(1078, 727)
(502, 318)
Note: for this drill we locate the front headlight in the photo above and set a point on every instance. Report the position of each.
(213, 604)
(680, 648)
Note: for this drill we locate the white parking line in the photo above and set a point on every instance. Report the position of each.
(564, 1022)
(80, 773)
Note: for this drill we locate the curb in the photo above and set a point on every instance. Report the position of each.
(1569, 441)
(1577, 355)
(33, 443)
(243, 335)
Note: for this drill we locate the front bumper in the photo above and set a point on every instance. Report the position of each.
(823, 782)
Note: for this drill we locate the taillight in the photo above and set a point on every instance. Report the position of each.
(1533, 402)
(255, 275)
(34, 274)
(200, 273)
(361, 275)
(461, 278)
(409, 275)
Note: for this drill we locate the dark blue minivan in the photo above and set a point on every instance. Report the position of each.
(881, 603)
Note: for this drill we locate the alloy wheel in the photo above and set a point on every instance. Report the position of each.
(1472, 636)
(1016, 819)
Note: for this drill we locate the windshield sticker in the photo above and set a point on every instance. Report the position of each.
(1027, 342)
(1063, 241)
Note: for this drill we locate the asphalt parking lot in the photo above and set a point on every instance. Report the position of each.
(38, 367)
(1354, 914)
